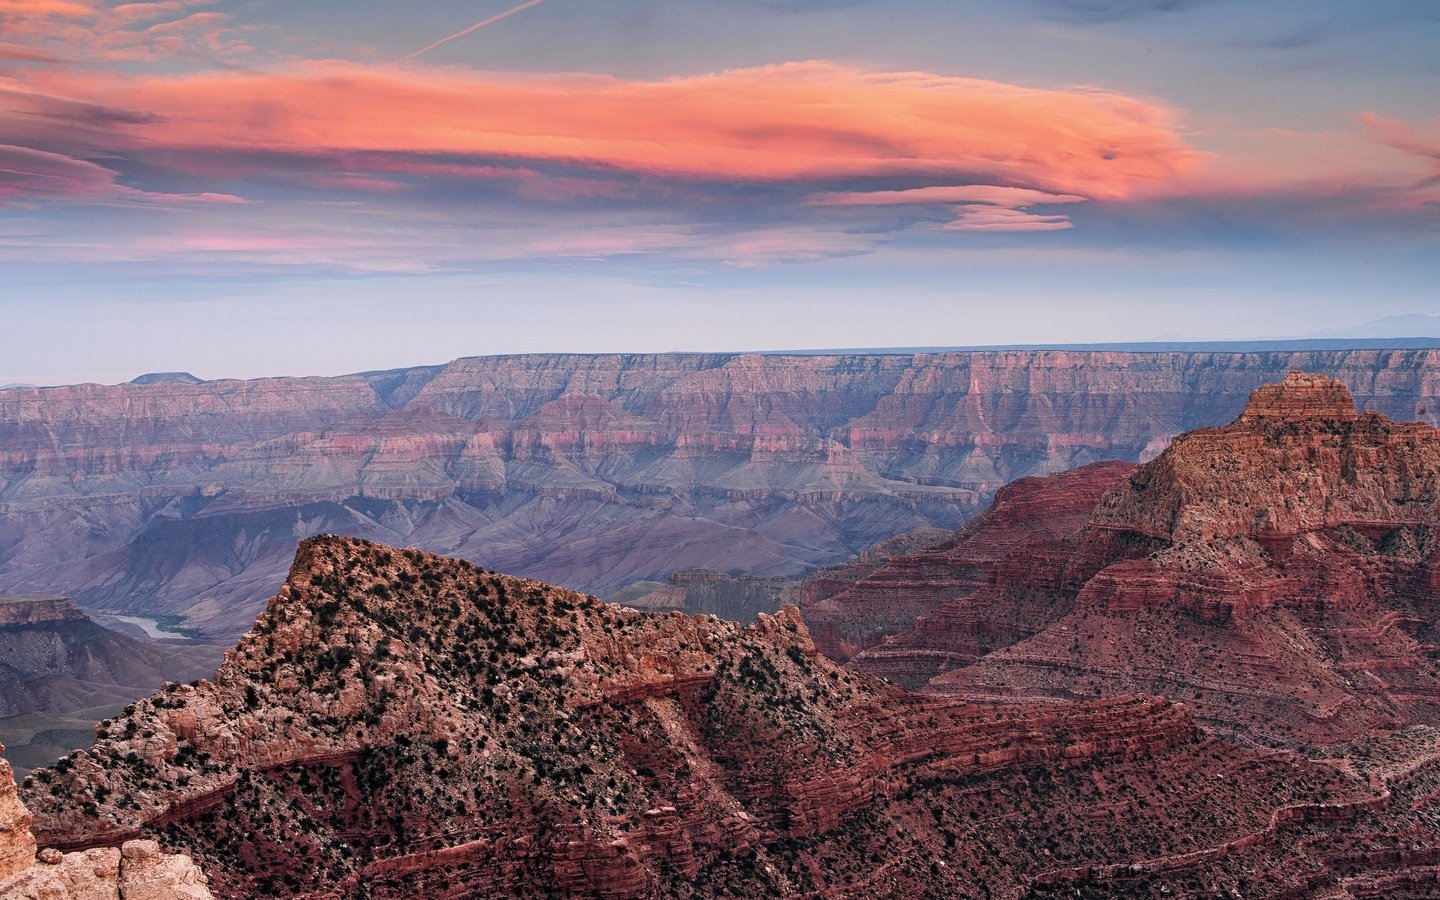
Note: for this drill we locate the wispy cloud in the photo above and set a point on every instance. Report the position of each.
(98, 32)
(965, 193)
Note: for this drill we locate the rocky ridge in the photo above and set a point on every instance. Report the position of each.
(1277, 574)
(418, 726)
(187, 499)
(138, 870)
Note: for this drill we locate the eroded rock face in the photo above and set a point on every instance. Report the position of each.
(1278, 574)
(419, 727)
(590, 471)
(17, 846)
(848, 615)
(139, 870)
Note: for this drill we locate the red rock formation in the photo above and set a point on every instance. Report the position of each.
(1276, 574)
(891, 597)
(592, 471)
(17, 846)
(136, 871)
(419, 727)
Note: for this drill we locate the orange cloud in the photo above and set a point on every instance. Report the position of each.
(799, 121)
(98, 32)
(37, 9)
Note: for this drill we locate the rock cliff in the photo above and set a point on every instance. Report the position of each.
(420, 727)
(170, 498)
(1278, 574)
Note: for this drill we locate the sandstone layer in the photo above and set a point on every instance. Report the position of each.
(170, 498)
(420, 727)
(1278, 574)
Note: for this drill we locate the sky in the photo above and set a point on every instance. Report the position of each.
(242, 188)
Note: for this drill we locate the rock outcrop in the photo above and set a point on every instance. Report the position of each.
(170, 498)
(17, 846)
(848, 615)
(1277, 574)
(416, 726)
(138, 870)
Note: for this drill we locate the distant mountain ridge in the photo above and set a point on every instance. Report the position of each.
(162, 377)
(1382, 339)
(592, 471)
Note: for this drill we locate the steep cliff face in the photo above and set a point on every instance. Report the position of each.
(849, 616)
(1278, 574)
(423, 728)
(591, 471)
(54, 658)
(17, 845)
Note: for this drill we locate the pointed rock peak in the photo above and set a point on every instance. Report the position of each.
(1301, 396)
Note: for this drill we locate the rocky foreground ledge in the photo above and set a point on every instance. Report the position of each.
(136, 870)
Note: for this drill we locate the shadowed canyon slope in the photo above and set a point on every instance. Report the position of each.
(421, 727)
(1278, 574)
(54, 657)
(591, 471)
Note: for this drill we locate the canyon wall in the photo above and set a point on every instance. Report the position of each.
(584, 470)
(1277, 574)
(411, 726)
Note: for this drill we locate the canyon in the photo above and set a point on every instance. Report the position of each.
(420, 726)
(1208, 674)
(53, 656)
(185, 500)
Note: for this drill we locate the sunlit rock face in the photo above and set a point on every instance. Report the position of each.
(138, 870)
(1278, 574)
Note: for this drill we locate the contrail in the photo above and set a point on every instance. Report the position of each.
(471, 30)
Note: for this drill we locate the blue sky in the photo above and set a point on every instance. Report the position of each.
(250, 188)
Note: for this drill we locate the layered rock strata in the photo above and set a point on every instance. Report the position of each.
(413, 726)
(55, 658)
(138, 870)
(180, 499)
(850, 614)
(1277, 574)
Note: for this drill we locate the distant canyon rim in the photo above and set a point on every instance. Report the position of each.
(592, 471)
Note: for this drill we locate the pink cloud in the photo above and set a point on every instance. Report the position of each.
(799, 121)
(17, 53)
(26, 173)
(99, 32)
(1403, 136)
